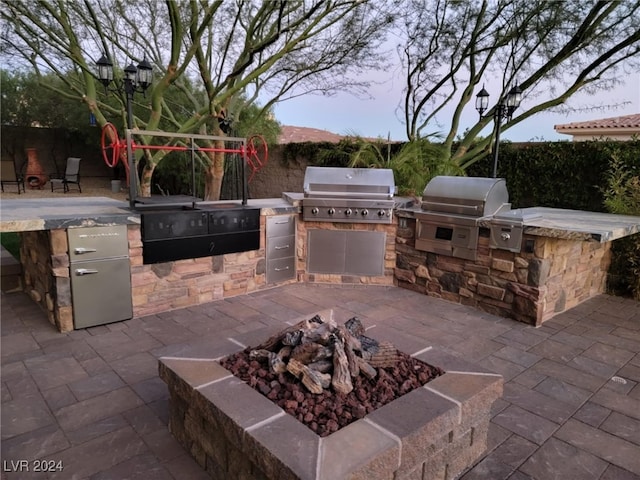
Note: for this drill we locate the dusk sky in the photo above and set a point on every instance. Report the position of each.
(378, 117)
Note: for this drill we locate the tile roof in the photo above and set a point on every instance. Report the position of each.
(291, 134)
(625, 121)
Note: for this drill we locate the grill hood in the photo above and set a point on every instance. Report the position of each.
(369, 183)
(471, 196)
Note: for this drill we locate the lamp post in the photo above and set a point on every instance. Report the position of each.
(504, 109)
(136, 79)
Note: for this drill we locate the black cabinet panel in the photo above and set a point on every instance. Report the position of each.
(179, 235)
(158, 251)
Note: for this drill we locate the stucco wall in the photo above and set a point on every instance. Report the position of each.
(55, 145)
(277, 177)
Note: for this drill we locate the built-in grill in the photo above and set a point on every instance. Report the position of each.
(453, 209)
(218, 229)
(353, 195)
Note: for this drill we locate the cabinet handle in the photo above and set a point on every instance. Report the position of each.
(282, 222)
(281, 269)
(282, 247)
(81, 250)
(85, 271)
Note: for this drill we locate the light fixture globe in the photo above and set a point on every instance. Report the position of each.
(482, 101)
(145, 74)
(514, 97)
(131, 73)
(105, 70)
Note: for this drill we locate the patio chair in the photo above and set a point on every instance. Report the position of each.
(71, 176)
(9, 174)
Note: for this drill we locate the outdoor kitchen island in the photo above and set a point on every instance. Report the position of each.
(559, 257)
(561, 261)
(58, 271)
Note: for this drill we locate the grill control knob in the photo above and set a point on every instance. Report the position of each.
(315, 210)
(505, 236)
(348, 212)
(365, 212)
(331, 211)
(381, 213)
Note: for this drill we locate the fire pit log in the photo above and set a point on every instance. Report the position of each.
(355, 326)
(366, 369)
(350, 344)
(320, 334)
(384, 355)
(315, 381)
(288, 335)
(311, 352)
(341, 379)
(322, 366)
(275, 360)
(322, 354)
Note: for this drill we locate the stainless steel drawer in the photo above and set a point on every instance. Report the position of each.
(281, 269)
(281, 247)
(281, 225)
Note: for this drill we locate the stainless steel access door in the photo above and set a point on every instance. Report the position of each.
(101, 292)
(100, 275)
(346, 252)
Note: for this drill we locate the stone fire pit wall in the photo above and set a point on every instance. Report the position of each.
(432, 433)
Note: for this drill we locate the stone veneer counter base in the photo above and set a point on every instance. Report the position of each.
(434, 432)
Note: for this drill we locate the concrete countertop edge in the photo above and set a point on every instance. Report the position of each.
(18, 215)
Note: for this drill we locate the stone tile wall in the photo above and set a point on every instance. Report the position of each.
(45, 262)
(166, 286)
(432, 433)
(532, 286)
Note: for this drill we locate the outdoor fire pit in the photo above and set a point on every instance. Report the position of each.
(435, 431)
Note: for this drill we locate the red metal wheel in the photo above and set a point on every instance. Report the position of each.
(257, 153)
(111, 145)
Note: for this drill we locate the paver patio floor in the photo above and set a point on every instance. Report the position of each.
(92, 399)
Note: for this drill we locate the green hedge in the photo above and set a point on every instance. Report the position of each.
(558, 174)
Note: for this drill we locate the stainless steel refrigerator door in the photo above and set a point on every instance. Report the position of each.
(101, 292)
(93, 243)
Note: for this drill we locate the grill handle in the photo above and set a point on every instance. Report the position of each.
(449, 207)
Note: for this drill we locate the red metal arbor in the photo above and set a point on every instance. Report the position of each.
(254, 151)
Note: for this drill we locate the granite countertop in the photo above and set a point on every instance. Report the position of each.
(31, 214)
(577, 224)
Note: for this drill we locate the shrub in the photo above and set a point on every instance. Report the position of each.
(622, 196)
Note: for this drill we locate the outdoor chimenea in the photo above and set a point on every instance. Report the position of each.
(35, 176)
(435, 431)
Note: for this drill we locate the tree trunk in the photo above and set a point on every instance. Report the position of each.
(145, 181)
(214, 174)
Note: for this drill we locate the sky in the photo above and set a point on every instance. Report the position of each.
(379, 117)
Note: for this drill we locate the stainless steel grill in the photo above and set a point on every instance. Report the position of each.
(452, 209)
(353, 195)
